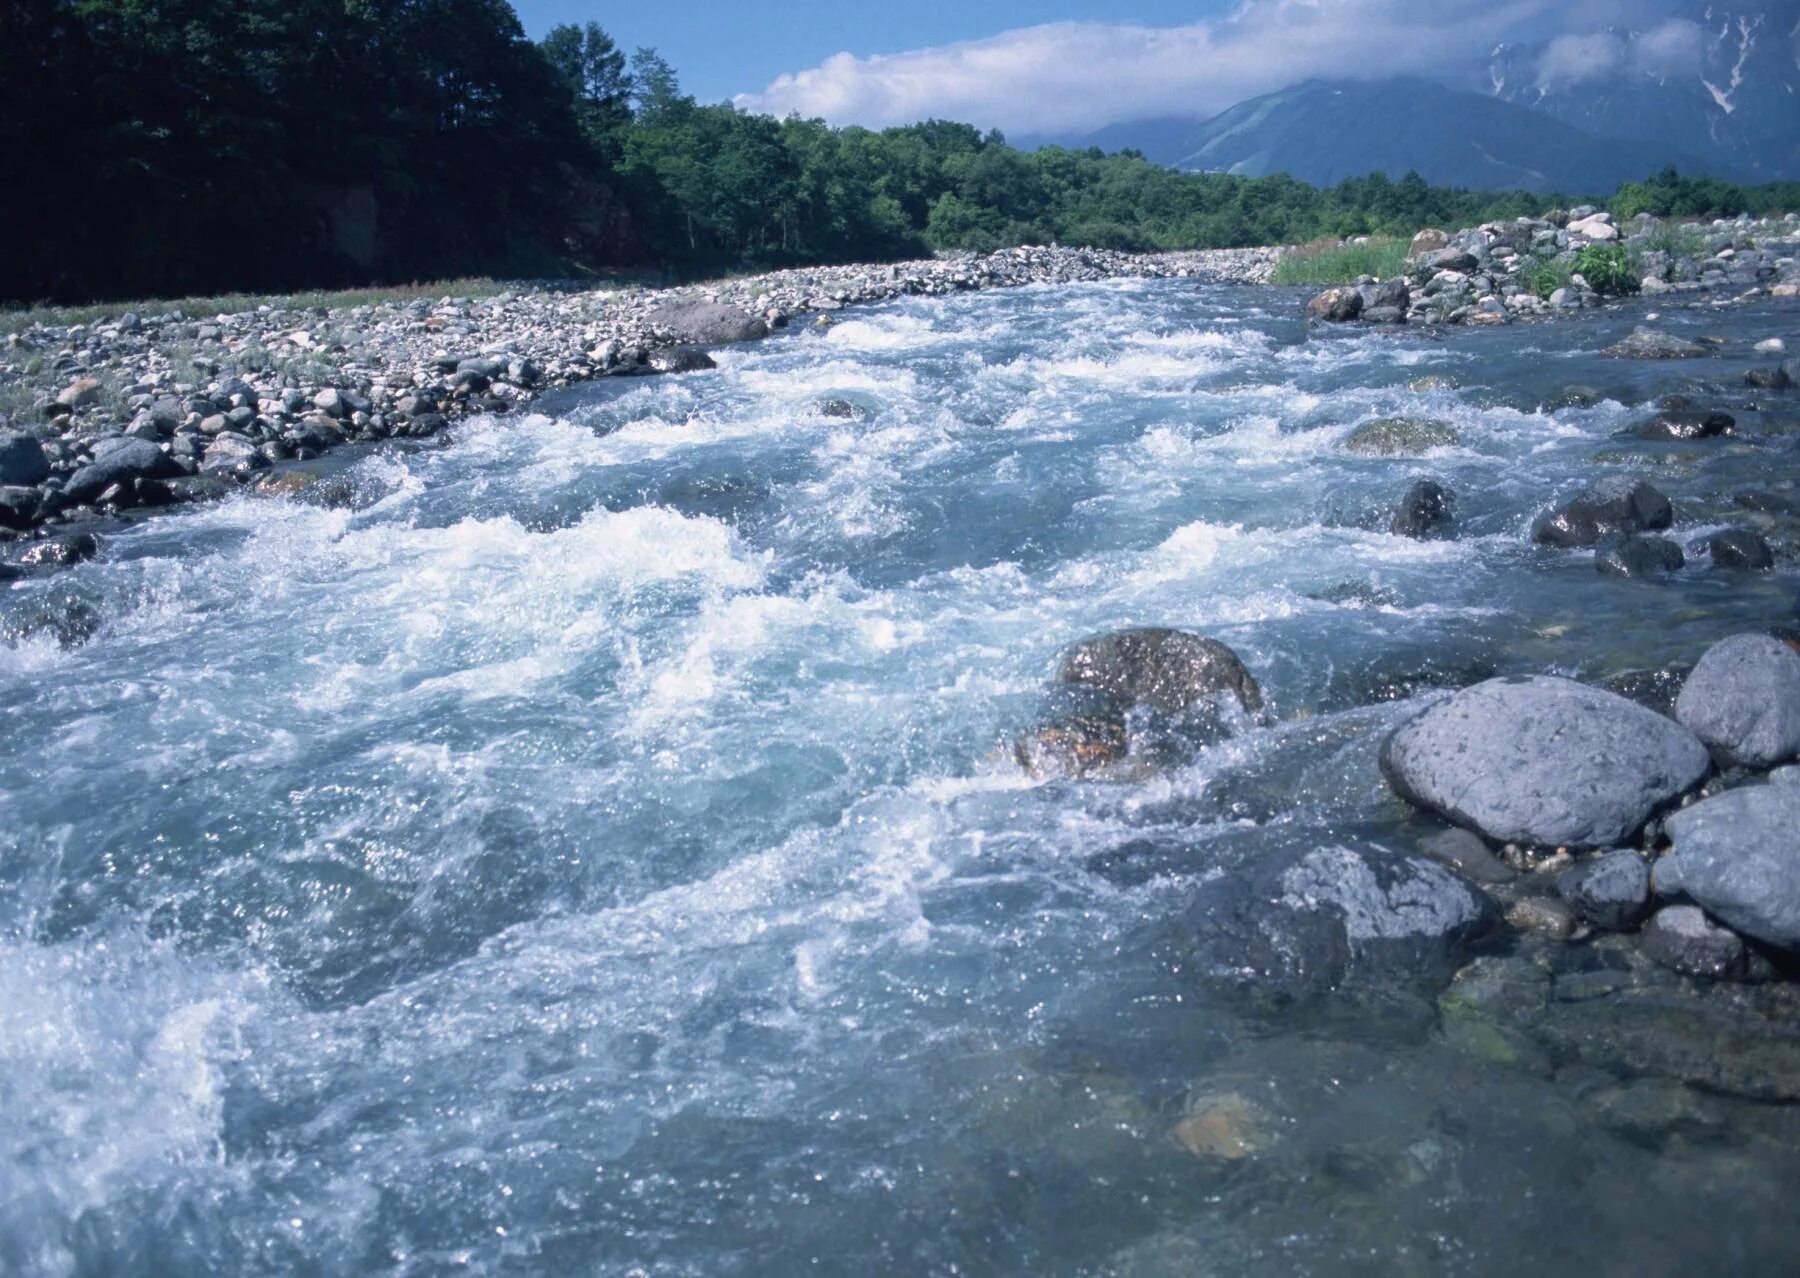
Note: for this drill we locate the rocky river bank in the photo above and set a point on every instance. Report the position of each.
(149, 410)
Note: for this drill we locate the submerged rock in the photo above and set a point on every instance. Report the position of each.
(1737, 855)
(1168, 670)
(1542, 916)
(1610, 890)
(1400, 436)
(1743, 699)
(1650, 343)
(1464, 852)
(1427, 510)
(1543, 761)
(1739, 548)
(1687, 426)
(1618, 504)
(1629, 555)
(1653, 689)
(1683, 939)
(1305, 921)
(1073, 747)
(60, 552)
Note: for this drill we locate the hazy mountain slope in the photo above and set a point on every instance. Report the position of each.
(1323, 132)
(1720, 81)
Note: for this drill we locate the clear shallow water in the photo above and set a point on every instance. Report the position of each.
(596, 852)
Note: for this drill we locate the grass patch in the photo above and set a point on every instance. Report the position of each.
(1332, 262)
(1677, 239)
(16, 320)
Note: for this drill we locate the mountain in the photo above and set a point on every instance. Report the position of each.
(1324, 131)
(1717, 80)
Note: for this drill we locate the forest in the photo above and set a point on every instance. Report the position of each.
(166, 147)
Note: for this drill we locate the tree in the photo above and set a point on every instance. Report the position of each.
(592, 67)
(656, 90)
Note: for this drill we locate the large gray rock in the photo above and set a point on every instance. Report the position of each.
(1743, 699)
(1167, 670)
(1336, 304)
(119, 461)
(1543, 761)
(1737, 855)
(22, 459)
(1303, 921)
(1614, 505)
(708, 323)
(1651, 343)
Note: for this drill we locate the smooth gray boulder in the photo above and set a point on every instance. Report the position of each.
(1543, 761)
(1737, 855)
(1303, 921)
(1743, 699)
(1611, 890)
(708, 323)
(119, 461)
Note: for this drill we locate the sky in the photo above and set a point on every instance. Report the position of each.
(1063, 66)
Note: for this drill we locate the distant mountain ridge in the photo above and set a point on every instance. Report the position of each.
(1717, 80)
(1325, 131)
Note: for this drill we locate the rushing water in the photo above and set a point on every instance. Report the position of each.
(595, 851)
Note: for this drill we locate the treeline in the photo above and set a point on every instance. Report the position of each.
(1668, 194)
(162, 147)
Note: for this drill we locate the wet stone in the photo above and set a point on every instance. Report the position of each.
(1629, 555)
(1618, 504)
(1683, 939)
(1609, 890)
(1739, 549)
(1464, 852)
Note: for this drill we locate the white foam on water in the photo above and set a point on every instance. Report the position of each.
(892, 331)
(111, 1059)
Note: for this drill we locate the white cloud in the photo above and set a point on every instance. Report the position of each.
(1674, 48)
(1575, 59)
(1082, 75)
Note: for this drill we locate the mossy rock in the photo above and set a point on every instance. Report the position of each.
(1401, 437)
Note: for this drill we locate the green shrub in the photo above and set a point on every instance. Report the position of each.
(1544, 275)
(1607, 269)
(1331, 263)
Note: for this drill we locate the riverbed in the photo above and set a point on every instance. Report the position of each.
(592, 841)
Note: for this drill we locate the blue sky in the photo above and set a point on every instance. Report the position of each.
(1070, 66)
(723, 48)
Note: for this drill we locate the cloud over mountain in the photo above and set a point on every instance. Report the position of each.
(1082, 75)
